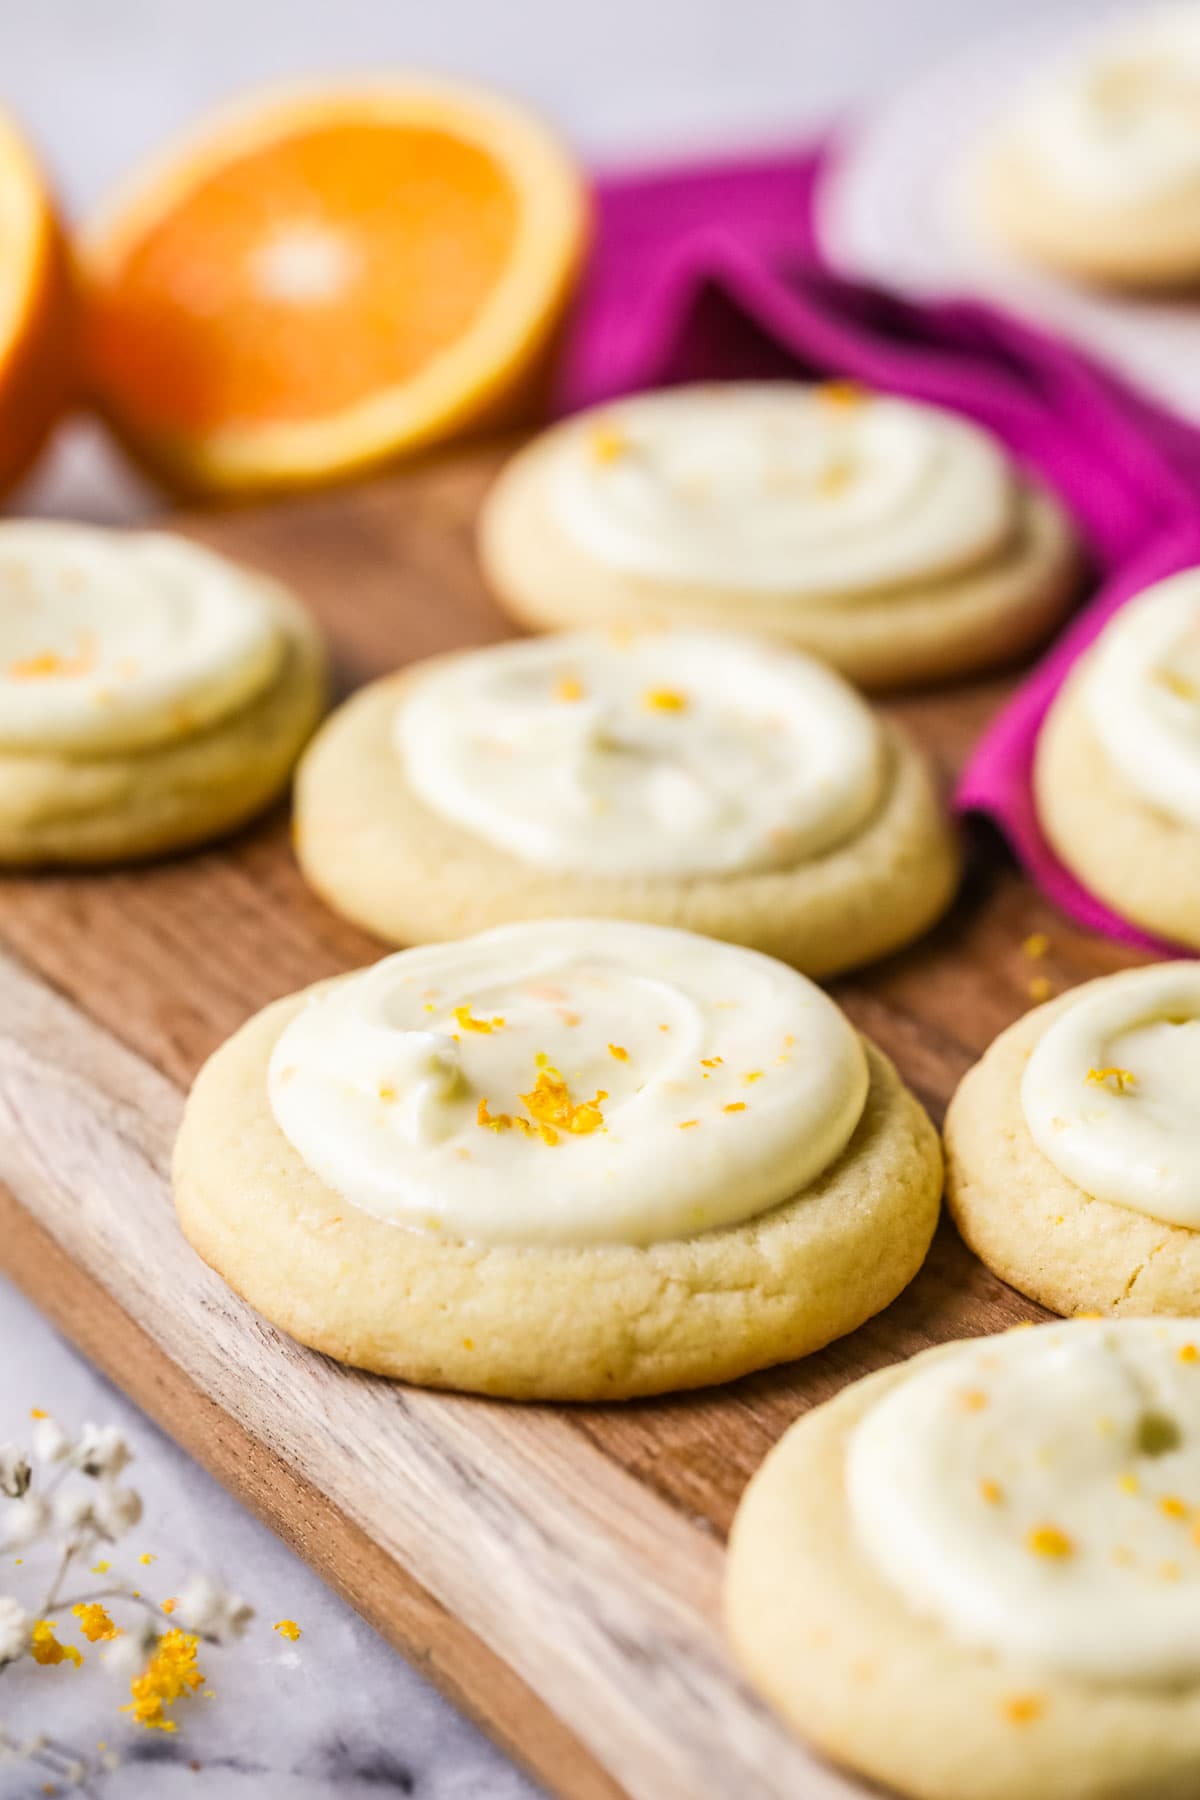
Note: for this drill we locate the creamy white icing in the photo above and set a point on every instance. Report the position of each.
(1119, 122)
(1038, 1495)
(112, 641)
(670, 753)
(1111, 1092)
(714, 1083)
(1142, 692)
(819, 493)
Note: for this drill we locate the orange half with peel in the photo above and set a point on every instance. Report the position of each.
(319, 280)
(36, 309)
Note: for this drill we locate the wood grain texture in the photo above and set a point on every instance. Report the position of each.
(556, 1570)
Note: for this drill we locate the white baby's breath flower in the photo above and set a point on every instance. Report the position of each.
(50, 1441)
(73, 1512)
(15, 1626)
(124, 1656)
(14, 1471)
(26, 1519)
(117, 1510)
(206, 1608)
(101, 1450)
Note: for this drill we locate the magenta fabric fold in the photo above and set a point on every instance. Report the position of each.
(715, 273)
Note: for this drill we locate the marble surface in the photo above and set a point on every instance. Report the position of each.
(337, 1713)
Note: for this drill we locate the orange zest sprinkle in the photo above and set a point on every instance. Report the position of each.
(38, 1412)
(549, 1103)
(836, 476)
(686, 1124)
(972, 1399)
(843, 394)
(754, 1075)
(991, 1492)
(45, 1648)
(50, 665)
(1129, 1483)
(1049, 1541)
(493, 1121)
(147, 1557)
(287, 1628)
(1036, 945)
(464, 1018)
(569, 689)
(1172, 1507)
(1040, 988)
(618, 1052)
(169, 1606)
(1121, 1079)
(711, 1062)
(1189, 1353)
(668, 700)
(1023, 1709)
(608, 443)
(735, 1106)
(386, 1091)
(101, 1568)
(95, 1623)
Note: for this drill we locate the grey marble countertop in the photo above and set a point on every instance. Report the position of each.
(98, 82)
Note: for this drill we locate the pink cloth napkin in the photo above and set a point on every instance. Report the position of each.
(715, 273)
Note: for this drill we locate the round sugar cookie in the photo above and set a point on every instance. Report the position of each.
(974, 1577)
(699, 779)
(578, 1160)
(152, 694)
(896, 541)
(1096, 173)
(1117, 770)
(1073, 1147)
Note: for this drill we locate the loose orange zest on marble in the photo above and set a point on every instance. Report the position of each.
(45, 1648)
(170, 1674)
(668, 700)
(168, 1606)
(95, 1623)
(287, 1628)
(464, 1018)
(1121, 1079)
(1049, 1541)
(38, 1412)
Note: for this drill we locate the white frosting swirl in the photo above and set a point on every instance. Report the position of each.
(1038, 1494)
(672, 753)
(570, 1082)
(1142, 692)
(818, 493)
(1111, 1093)
(1119, 123)
(112, 641)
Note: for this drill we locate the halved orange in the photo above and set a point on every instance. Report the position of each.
(36, 311)
(320, 279)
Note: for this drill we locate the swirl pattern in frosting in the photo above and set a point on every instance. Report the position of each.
(1116, 124)
(1142, 692)
(1111, 1092)
(1038, 1496)
(570, 1082)
(678, 753)
(114, 641)
(820, 493)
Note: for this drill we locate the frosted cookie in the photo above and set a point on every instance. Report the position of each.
(1097, 171)
(895, 541)
(576, 1160)
(1117, 771)
(977, 1576)
(1073, 1147)
(152, 694)
(685, 778)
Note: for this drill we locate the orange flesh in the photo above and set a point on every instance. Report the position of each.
(417, 225)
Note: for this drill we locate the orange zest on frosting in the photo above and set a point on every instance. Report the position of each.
(466, 1020)
(1050, 1542)
(608, 443)
(618, 1052)
(1023, 1709)
(842, 394)
(668, 700)
(49, 665)
(569, 689)
(549, 1102)
(1121, 1080)
(735, 1106)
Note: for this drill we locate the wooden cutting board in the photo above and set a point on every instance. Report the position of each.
(556, 1570)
